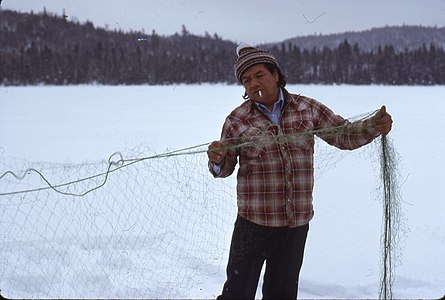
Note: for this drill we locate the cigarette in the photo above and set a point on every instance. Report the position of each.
(260, 94)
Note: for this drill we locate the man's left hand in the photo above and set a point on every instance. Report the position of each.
(382, 121)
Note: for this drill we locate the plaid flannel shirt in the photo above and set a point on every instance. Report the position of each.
(276, 175)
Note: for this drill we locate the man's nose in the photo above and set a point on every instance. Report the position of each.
(254, 82)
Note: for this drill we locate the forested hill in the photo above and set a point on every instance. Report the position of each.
(400, 37)
(45, 48)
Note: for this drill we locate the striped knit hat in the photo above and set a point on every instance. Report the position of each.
(249, 56)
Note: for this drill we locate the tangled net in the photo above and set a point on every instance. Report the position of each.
(391, 220)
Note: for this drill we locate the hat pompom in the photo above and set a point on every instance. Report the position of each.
(242, 47)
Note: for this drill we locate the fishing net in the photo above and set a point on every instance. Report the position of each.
(140, 224)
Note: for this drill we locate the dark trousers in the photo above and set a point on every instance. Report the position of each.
(281, 248)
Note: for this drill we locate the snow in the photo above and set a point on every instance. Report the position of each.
(78, 124)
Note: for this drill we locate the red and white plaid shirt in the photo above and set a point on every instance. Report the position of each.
(276, 175)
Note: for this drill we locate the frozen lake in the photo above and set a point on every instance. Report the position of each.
(125, 240)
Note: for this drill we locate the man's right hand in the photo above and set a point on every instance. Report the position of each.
(217, 151)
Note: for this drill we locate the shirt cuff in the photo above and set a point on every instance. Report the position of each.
(217, 167)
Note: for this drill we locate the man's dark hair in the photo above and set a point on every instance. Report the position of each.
(281, 78)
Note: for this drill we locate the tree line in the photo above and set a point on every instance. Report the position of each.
(47, 49)
(348, 64)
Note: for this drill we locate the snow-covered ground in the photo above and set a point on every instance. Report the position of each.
(61, 246)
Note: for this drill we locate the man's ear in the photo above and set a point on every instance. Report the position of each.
(275, 74)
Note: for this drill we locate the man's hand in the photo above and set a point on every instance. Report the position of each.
(382, 121)
(217, 151)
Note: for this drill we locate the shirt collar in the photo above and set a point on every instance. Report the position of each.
(278, 103)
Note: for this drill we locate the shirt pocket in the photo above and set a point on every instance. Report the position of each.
(300, 131)
(252, 159)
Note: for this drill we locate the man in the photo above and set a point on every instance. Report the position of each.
(272, 136)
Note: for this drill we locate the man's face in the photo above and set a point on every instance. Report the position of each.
(260, 84)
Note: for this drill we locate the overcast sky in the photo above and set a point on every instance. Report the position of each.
(251, 21)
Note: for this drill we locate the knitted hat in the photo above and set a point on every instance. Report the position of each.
(249, 56)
